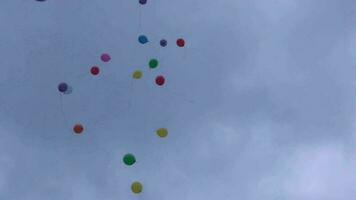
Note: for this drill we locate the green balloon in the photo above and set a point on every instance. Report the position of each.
(129, 159)
(153, 63)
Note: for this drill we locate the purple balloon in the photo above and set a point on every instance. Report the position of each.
(105, 57)
(62, 87)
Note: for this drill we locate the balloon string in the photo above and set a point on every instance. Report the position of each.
(184, 54)
(139, 20)
(130, 100)
(62, 111)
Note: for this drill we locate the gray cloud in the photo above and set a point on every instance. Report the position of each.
(259, 104)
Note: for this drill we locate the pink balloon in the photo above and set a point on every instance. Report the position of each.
(105, 57)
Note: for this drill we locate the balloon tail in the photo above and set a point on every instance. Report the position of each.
(63, 113)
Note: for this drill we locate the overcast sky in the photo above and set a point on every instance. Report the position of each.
(260, 104)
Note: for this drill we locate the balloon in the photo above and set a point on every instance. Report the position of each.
(137, 74)
(163, 42)
(129, 159)
(142, 2)
(136, 187)
(78, 128)
(94, 70)
(162, 132)
(160, 80)
(142, 39)
(62, 87)
(105, 57)
(180, 42)
(153, 63)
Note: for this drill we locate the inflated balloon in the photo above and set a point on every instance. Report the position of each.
(153, 63)
(162, 132)
(94, 70)
(160, 80)
(136, 187)
(142, 39)
(180, 42)
(129, 159)
(142, 2)
(62, 87)
(137, 74)
(163, 42)
(105, 57)
(78, 128)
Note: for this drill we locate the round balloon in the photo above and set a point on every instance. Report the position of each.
(163, 42)
(105, 57)
(94, 70)
(142, 2)
(153, 63)
(142, 39)
(137, 74)
(129, 159)
(62, 87)
(160, 80)
(162, 132)
(136, 187)
(78, 128)
(181, 42)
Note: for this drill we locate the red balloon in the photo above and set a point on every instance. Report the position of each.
(180, 42)
(160, 80)
(78, 128)
(95, 70)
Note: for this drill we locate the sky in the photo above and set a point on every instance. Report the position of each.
(259, 104)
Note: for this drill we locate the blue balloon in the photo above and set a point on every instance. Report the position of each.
(142, 39)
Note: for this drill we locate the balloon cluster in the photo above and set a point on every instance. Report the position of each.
(129, 159)
(160, 80)
(64, 88)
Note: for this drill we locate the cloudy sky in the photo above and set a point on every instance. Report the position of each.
(260, 104)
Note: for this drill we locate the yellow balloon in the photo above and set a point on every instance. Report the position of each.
(136, 187)
(137, 74)
(162, 132)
